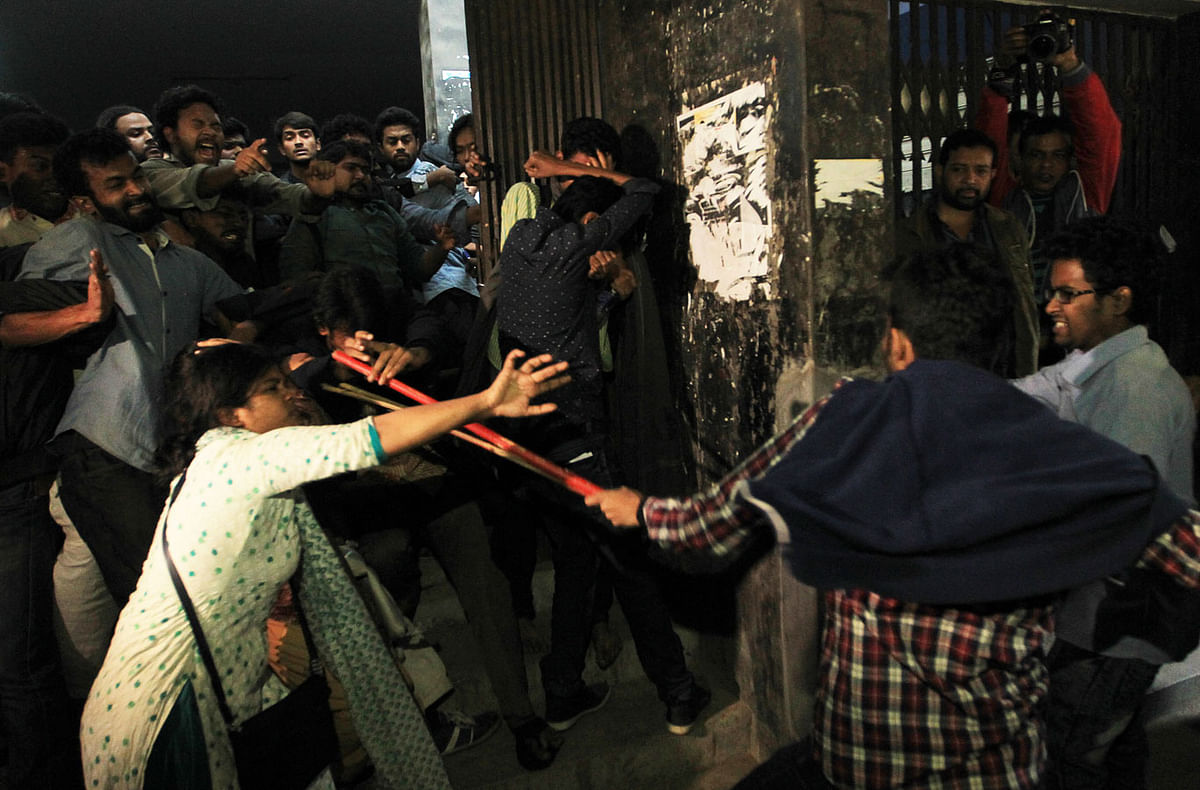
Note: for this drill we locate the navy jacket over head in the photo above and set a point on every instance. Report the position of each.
(943, 484)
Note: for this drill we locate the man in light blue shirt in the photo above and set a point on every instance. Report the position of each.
(160, 292)
(1118, 382)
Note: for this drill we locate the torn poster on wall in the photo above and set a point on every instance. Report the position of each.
(840, 180)
(728, 209)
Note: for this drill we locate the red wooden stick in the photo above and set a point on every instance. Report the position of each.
(569, 480)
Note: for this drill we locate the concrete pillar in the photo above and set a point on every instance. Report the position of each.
(750, 361)
(445, 68)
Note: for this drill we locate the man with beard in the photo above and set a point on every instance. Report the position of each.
(940, 512)
(958, 214)
(158, 292)
(425, 194)
(296, 136)
(189, 120)
(221, 235)
(27, 144)
(399, 135)
(360, 230)
(134, 125)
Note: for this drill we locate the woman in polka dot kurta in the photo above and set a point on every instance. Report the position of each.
(235, 534)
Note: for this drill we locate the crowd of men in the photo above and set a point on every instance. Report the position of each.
(1032, 193)
(127, 242)
(945, 511)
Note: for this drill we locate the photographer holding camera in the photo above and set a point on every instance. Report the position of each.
(1059, 171)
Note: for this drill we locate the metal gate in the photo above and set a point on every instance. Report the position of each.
(942, 50)
(536, 65)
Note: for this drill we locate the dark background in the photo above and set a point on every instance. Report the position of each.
(261, 58)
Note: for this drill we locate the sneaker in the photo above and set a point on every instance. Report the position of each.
(454, 731)
(682, 713)
(563, 712)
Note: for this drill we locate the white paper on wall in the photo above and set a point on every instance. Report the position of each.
(728, 208)
(837, 180)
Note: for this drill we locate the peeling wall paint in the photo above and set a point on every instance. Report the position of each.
(746, 366)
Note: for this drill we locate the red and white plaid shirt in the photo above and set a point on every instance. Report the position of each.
(911, 695)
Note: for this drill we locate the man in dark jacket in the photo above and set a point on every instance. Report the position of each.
(959, 214)
(547, 304)
(35, 383)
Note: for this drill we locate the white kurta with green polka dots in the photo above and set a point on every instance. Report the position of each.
(234, 539)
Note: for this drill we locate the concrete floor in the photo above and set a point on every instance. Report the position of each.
(624, 746)
(1175, 757)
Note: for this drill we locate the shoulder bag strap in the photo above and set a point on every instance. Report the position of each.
(193, 620)
(315, 666)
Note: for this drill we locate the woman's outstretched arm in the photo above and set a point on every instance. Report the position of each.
(510, 395)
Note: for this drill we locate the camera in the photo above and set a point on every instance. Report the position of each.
(1050, 35)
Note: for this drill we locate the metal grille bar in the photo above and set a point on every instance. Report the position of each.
(535, 64)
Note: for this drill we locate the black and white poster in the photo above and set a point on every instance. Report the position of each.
(725, 171)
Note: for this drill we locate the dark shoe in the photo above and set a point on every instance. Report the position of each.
(537, 744)
(454, 731)
(563, 712)
(682, 713)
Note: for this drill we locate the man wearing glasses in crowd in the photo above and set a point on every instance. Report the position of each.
(1099, 296)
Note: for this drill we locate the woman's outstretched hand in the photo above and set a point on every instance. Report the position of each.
(511, 393)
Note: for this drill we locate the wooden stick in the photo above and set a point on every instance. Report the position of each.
(351, 391)
(569, 480)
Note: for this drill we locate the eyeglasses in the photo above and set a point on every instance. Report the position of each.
(1067, 295)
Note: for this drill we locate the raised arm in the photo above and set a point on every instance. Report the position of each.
(1097, 133)
(510, 395)
(543, 165)
(214, 180)
(992, 120)
(46, 326)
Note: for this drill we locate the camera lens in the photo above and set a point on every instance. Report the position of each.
(1042, 46)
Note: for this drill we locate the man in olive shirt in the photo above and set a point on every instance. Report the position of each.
(189, 120)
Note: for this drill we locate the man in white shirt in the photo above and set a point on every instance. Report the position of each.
(1118, 382)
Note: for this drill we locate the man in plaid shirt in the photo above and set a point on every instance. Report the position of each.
(941, 510)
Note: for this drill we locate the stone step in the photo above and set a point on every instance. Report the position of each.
(724, 775)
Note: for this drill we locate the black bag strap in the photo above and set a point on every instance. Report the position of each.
(202, 643)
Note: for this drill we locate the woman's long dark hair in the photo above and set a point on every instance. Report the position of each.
(200, 383)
